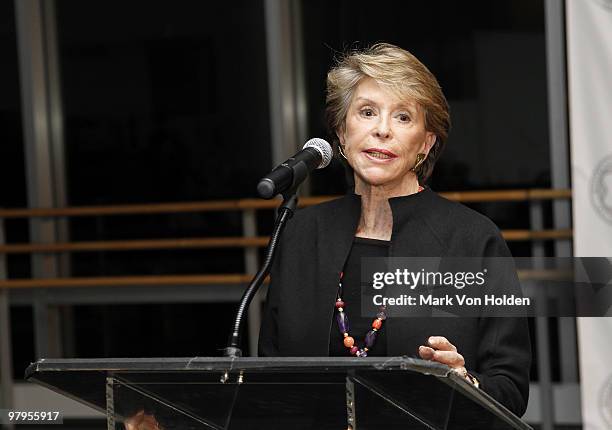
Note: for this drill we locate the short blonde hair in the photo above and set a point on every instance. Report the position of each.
(394, 68)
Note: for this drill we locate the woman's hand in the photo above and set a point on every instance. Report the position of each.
(141, 421)
(439, 349)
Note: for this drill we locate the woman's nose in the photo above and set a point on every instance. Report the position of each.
(383, 129)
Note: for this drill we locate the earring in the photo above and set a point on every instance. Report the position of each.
(419, 160)
(341, 151)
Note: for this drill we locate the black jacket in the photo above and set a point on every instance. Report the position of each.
(315, 245)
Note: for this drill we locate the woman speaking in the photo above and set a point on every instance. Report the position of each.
(390, 121)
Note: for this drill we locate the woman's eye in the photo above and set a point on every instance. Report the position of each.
(403, 117)
(367, 112)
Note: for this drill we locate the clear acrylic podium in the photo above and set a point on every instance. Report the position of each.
(276, 393)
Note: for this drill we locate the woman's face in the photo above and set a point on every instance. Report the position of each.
(382, 137)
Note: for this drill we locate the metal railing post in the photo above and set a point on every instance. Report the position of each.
(43, 145)
(558, 120)
(536, 222)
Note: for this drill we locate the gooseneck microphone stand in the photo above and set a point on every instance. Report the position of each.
(285, 212)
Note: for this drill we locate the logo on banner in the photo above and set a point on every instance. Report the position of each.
(601, 188)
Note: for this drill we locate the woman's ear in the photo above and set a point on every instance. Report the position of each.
(340, 135)
(430, 140)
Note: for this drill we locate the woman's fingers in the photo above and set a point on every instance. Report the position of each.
(451, 358)
(426, 352)
(441, 350)
(441, 343)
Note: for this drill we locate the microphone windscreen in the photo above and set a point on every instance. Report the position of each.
(324, 149)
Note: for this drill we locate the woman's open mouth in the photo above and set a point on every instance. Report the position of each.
(381, 154)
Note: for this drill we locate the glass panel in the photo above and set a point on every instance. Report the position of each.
(162, 102)
(133, 405)
(489, 58)
(279, 394)
(12, 163)
(13, 193)
(394, 398)
(262, 400)
(467, 413)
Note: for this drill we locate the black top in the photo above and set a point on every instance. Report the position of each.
(351, 296)
(312, 253)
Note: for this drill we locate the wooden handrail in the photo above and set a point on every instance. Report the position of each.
(519, 235)
(216, 242)
(245, 204)
(132, 245)
(124, 281)
(546, 275)
(508, 195)
(156, 208)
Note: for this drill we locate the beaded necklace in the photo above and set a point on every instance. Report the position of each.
(344, 327)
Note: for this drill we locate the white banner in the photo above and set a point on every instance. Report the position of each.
(589, 56)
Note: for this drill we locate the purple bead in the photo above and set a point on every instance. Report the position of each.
(343, 322)
(370, 339)
(362, 353)
(381, 315)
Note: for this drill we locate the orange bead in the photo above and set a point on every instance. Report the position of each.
(349, 341)
(377, 324)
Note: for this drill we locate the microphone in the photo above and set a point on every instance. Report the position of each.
(316, 154)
